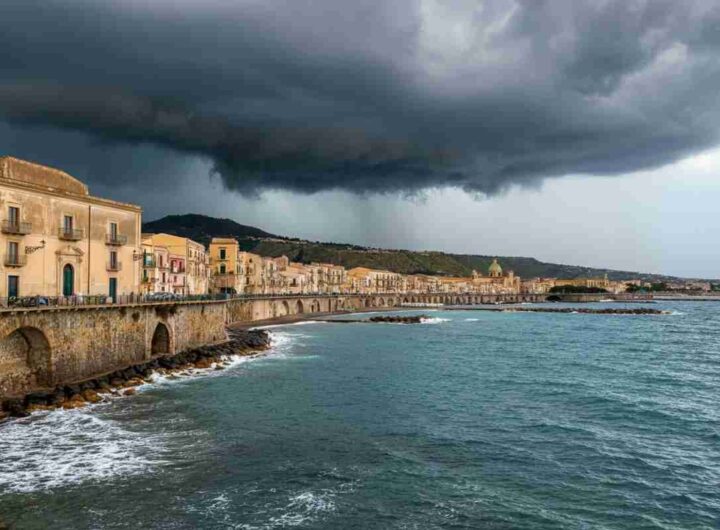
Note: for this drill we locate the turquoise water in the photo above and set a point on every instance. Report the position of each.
(473, 420)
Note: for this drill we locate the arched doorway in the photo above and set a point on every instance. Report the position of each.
(68, 280)
(161, 340)
(299, 308)
(315, 306)
(26, 354)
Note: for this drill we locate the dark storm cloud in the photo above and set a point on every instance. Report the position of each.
(369, 95)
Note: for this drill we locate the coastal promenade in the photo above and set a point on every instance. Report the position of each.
(56, 342)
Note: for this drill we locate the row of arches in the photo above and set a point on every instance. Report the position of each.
(27, 357)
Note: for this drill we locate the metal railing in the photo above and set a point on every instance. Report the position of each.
(70, 234)
(114, 266)
(149, 263)
(154, 298)
(115, 239)
(15, 260)
(11, 226)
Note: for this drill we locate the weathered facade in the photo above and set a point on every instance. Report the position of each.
(58, 240)
(42, 348)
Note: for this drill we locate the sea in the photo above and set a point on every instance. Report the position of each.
(471, 419)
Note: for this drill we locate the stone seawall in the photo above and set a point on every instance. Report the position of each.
(124, 381)
(41, 348)
(44, 348)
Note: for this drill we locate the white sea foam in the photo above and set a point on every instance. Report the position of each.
(435, 320)
(300, 323)
(68, 447)
(472, 319)
(304, 508)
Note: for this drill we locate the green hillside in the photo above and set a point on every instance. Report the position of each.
(203, 228)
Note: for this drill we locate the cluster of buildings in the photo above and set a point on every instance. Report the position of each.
(61, 241)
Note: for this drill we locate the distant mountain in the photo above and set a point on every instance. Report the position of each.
(203, 228)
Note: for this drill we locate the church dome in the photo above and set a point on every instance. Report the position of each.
(495, 269)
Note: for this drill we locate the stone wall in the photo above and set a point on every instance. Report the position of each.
(42, 348)
(49, 346)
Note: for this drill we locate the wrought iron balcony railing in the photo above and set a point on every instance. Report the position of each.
(11, 226)
(15, 260)
(116, 239)
(70, 234)
(114, 266)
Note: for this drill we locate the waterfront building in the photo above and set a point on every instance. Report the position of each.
(227, 272)
(189, 272)
(58, 240)
(496, 282)
(364, 280)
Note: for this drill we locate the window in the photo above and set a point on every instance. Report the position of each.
(68, 223)
(113, 260)
(113, 231)
(222, 269)
(223, 254)
(13, 251)
(14, 216)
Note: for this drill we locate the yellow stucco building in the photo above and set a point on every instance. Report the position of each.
(58, 240)
(226, 272)
(187, 271)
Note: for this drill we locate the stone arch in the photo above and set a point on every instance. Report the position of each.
(315, 306)
(366, 302)
(299, 307)
(280, 309)
(339, 304)
(381, 302)
(553, 298)
(161, 344)
(27, 354)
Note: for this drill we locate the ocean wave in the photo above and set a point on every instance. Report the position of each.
(472, 320)
(435, 320)
(69, 447)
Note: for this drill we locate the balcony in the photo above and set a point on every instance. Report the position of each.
(115, 239)
(149, 263)
(114, 266)
(15, 260)
(70, 234)
(16, 227)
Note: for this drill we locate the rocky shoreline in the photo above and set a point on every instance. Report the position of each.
(123, 382)
(392, 319)
(584, 310)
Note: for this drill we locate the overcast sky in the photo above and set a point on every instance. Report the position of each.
(582, 132)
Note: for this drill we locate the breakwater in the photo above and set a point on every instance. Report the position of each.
(569, 310)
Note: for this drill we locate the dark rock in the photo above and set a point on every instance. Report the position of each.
(15, 407)
(39, 398)
(71, 390)
(87, 385)
(58, 397)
